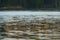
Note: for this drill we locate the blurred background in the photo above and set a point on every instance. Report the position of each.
(30, 5)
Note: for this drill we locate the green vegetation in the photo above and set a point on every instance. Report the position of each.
(30, 4)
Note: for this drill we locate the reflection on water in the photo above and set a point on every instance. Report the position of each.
(29, 27)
